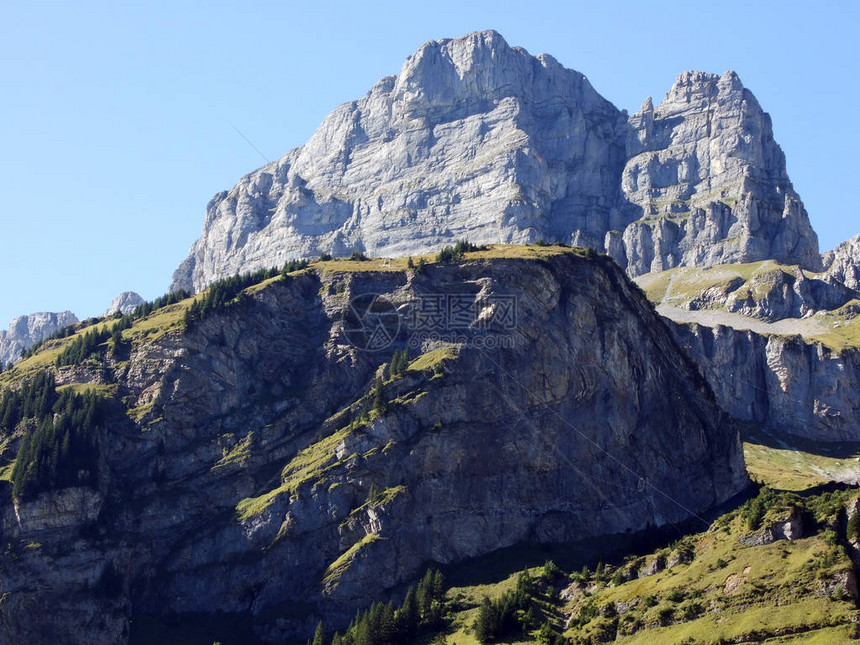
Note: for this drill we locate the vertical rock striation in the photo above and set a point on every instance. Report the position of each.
(789, 386)
(711, 182)
(481, 140)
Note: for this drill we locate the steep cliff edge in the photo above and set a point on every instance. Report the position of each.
(779, 345)
(792, 387)
(477, 139)
(254, 460)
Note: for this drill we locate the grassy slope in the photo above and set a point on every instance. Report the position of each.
(796, 469)
(689, 282)
(678, 287)
(767, 593)
(148, 329)
(491, 252)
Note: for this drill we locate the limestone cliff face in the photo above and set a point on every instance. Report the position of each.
(244, 484)
(711, 182)
(26, 331)
(124, 303)
(843, 262)
(481, 140)
(782, 383)
(472, 139)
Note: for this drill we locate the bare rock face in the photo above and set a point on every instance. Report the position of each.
(843, 263)
(782, 383)
(476, 139)
(711, 182)
(52, 511)
(124, 303)
(26, 331)
(243, 484)
(472, 139)
(789, 528)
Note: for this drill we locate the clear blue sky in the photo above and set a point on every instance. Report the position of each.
(116, 116)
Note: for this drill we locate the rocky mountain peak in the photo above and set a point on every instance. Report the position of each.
(124, 303)
(707, 173)
(843, 263)
(647, 106)
(478, 139)
(477, 67)
(696, 88)
(449, 79)
(26, 331)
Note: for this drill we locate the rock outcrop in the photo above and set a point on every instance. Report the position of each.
(784, 384)
(843, 263)
(26, 331)
(476, 139)
(766, 291)
(788, 528)
(711, 182)
(124, 303)
(258, 471)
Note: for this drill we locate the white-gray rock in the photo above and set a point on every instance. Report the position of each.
(711, 182)
(26, 331)
(843, 263)
(481, 140)
(778, 382)
(124, 303)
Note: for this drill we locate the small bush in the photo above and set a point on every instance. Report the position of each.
(675, 595)
(692, 610)
(754, 514)
(853, 528)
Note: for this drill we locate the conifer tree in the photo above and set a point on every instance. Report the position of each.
(410, 612)
(319, 635)
(380, 403)
(486, 622)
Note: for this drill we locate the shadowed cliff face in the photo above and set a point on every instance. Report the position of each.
(782, 383)
(264, 470)
(481, 140)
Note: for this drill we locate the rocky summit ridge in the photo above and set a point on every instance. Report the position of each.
(477, 139)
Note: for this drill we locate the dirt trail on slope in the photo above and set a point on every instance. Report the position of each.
(806, 327)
